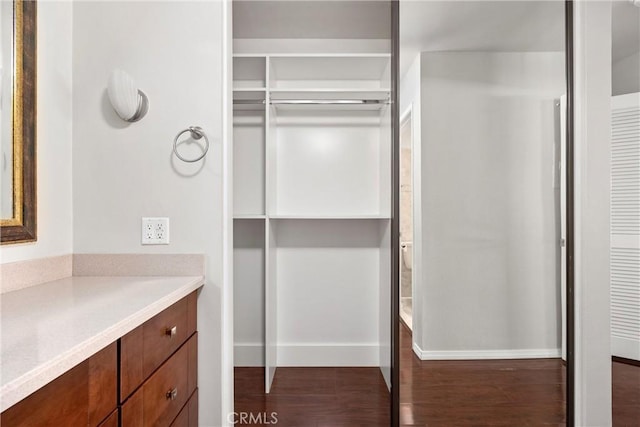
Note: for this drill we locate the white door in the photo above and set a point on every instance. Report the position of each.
(625, 226)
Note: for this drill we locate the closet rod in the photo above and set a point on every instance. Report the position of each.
(330, 101)
(312, 101)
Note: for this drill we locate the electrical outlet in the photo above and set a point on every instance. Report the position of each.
(155, 231)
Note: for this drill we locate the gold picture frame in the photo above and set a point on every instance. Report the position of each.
(21, 227)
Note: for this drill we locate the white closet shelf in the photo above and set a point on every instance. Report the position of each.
(329, 217)
(249, 216)
(330, 93)
(317, 55)
(249, 89)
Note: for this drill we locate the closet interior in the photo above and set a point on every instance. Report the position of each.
(312, 206)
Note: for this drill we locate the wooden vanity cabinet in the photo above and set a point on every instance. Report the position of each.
(158, 368)
(84, 396)
(158, 380)
(112, 420)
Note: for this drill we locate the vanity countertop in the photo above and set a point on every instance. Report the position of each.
(50, 328)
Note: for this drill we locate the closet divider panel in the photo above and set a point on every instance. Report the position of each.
(384, 291)
(625, 226)
(272, 161)
(271, 284)
(384, 303)
(271, 306)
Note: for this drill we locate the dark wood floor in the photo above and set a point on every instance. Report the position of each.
(626, 395)
(479, 393)
(318, 397)
(514, 393)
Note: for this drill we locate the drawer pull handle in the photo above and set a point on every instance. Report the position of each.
(170, 332)
(172, 394)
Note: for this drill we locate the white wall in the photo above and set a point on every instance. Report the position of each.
(625, 76)
(123, 172)
(53, 137)
(328, 277)
(489, 213)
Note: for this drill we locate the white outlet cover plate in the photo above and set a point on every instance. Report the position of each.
(155, 231)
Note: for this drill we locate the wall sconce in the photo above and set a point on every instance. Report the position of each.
(130, 103)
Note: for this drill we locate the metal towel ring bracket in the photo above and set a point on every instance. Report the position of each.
(196, 133)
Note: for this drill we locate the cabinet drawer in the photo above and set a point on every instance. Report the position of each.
(111, 421)
(164, 394)
(146, 347)
(188, 416)
(85, 395)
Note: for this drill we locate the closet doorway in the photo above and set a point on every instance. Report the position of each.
(406, 220)
(312, 149)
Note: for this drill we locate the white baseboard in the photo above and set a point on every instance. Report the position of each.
(329, 355)
(543, 353)
(248, 354)
(625, 347)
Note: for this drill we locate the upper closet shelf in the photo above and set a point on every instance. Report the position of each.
(249, 89)
(249, 216)
(328, 217)
(331, 73)
(329, 93)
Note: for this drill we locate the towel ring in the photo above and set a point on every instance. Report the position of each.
(196, 133)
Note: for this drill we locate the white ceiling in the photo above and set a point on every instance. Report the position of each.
(626, 29)
(429, 25)
(452, 25)
(495, 26)
(310, 19)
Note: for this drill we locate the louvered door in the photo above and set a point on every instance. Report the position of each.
(625, 226)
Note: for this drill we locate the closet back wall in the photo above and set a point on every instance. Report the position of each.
(123, 172)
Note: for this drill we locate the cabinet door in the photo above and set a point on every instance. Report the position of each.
(62, 402)
(103, 384)
(85, 395)
(188, 416)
